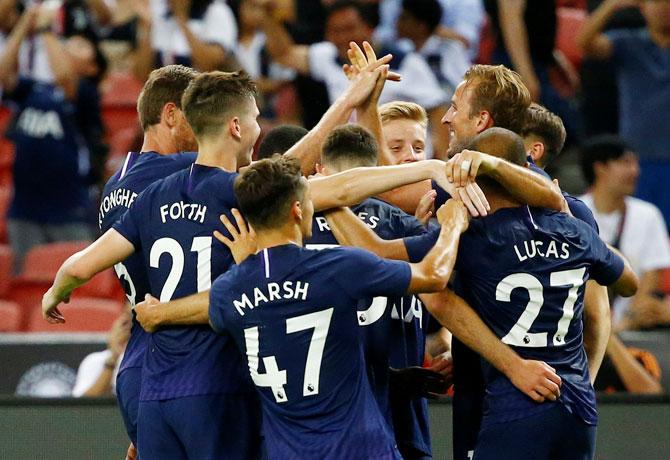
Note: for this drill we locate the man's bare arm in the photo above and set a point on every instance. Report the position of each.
(634, 376)
(187, 311)
(281, 47)
(534, 378)
(522, 183)
(111, 248)
(597, 325)
(591, 39)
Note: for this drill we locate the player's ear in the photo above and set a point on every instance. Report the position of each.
(536, 151)
(235, 128)
(169, 114)
(296, 210)
(484, 121)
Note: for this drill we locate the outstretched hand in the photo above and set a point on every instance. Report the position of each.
(50, 311)
(243, 242)
(367, 80)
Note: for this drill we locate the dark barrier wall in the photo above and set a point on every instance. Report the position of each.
(630, 429)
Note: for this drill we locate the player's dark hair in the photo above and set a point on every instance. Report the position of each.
(351, 146)
(429, 12)
(548, 126)
(267, 189)
(369, 13)
(163, 86)
(279, 139)
(211, 96)
(601, 149)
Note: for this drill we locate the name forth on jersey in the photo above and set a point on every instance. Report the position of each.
(534, 248)
(273, 291)
(180, 210)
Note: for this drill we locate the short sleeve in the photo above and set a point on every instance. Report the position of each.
(419, 83)
(366, 275)
(408, 225)
(130, 223)
(217, 299)
(582, 212)
(220, 26)
(606, 266)
(418, 246)
(656, 254)
(90, 369)
(320, 54)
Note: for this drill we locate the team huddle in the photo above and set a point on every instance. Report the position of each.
(283, 307)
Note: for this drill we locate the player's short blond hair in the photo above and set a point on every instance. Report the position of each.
(402, 110)
(501, 92)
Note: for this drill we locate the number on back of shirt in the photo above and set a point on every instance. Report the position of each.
(519, 335)
(276, 379)
(202, 245)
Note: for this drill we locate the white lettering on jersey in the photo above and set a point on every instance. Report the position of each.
(534, 248)
(180, 210)
(370, 221)
(40, 124)
(119, 197)
(273, 291)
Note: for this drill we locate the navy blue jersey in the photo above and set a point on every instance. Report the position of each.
(395, 328)
(293, 311)
(532, 298)
(51, 164)
(171, 224)
(138, 171)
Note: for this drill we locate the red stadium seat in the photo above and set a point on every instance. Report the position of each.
(84, 314)
(6, 262)
(5, 198)
(570, 21)
(10, 316)
(42, 262)
(119, 100)
(665, 281)
(6, 162)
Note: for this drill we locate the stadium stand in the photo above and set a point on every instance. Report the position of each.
(10, 316)
(83, 314)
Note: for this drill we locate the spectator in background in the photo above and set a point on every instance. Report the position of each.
(279, 139)
(599, 91)
(52, 165)
(349, 21)
(630, 370)
(252, 55)
(96, 375)
(641, 59)
(526, 35)
(633, 226)
(462, 20)
(448, 58)
(70, 18)
(194, 33)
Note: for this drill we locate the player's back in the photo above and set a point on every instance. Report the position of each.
(171, 223)
(394, 328)
(531, 296)
(294, 312)
(139, 170)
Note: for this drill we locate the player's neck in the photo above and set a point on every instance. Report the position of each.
(278, 237)
(216, 155)
(607, 202)
(157, 141)
(497, 197)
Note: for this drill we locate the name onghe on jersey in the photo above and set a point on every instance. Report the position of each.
(180, 210)
(119, 197)
(273, 291)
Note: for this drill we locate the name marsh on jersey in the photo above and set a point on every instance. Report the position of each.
(273, 291)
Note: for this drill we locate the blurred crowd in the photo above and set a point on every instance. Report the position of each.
(601, 66)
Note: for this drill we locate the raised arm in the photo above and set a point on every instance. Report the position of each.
(534, 378)
(515, 36)
(433, 272)
(108, 250)
(308, 149)
(591, 39)
(597, 325)
(279, 44)
(206, 56)
(10, 55)
(520, 182)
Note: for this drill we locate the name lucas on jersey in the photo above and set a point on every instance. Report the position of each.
(273, 291)
(534, 248)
